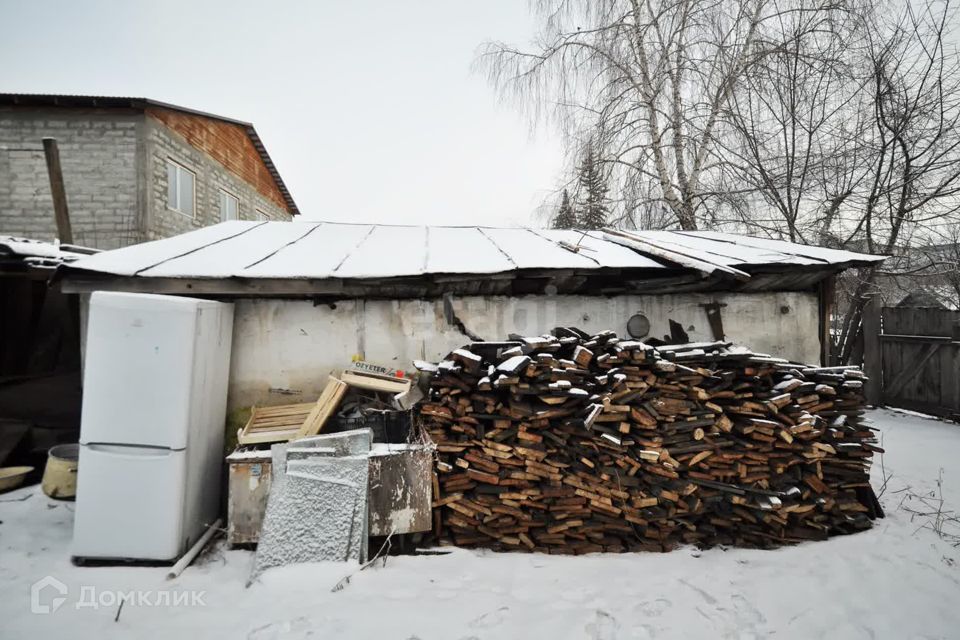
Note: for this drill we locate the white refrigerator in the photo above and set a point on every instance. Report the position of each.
(151, 433)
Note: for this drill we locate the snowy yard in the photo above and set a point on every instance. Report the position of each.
(896, 581)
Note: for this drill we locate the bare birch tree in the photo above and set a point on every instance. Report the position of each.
(852, 140)
(833, 122)
(649, 81)
(912, 188)
(795, 128)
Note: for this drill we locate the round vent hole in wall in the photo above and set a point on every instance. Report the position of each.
(638, 326)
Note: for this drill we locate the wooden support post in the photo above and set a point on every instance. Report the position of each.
(872, 354)
(715, 318)
(827, 294)
(60, 210)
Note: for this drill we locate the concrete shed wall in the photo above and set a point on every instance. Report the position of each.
(284, 349)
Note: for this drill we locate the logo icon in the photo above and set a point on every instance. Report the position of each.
(41, 592)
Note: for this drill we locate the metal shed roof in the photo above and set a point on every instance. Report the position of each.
(344, 252)
(17, 253)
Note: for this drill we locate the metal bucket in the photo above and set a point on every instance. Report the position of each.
(60, 474)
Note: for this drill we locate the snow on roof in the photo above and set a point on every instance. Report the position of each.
(331, 250)
(37, 253)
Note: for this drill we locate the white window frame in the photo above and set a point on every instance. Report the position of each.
(223, 192)
(193, 174)
(261, 215)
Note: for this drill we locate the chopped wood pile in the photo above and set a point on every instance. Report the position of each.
(573, 443)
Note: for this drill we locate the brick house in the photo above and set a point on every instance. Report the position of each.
(134, 169)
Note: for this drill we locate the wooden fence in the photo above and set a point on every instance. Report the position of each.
(913, 358)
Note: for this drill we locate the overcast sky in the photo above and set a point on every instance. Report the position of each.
(368, 108)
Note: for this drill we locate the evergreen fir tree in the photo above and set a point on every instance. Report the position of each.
(566, 218)
(593, 188)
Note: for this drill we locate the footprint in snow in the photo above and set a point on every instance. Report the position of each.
(743, 619)
(746, 610)
(653, 608)
(709, 599)
(295, 629)
(645, 632)
(490, 619)
(603, 627)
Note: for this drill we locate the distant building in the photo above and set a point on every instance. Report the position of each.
(134, 169)
(923, 276)
(921, 300)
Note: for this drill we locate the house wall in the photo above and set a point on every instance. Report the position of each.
(99, 155)
(227, 143)
(284, 349)
(115, 173)
(162, 143)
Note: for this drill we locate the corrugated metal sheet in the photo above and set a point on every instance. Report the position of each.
(327, 250)
(39, 253)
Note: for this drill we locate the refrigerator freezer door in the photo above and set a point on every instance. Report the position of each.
(138, 370)
(129, 503)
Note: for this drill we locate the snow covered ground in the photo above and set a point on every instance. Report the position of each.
(899, 580)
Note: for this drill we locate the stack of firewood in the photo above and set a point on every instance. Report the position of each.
(572, 443)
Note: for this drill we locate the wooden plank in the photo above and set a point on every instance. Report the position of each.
(325, 406)
(919, 321)
(60, 210)
(268, 436)
(910, 371)
(889, 337)
(926, 384)
(955, 386)
(937, 322)
(277, 426)
(892, 362)
(280, 423)
(285, 410)
(950, 377)
(263, 427)
(827, 293)
(872, 350)
(375, 384)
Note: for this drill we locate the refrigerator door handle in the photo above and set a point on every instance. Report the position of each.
(129, 450)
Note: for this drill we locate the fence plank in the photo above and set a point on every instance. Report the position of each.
(919, 321)
(920, 363)
(950, 377)
(873, 351)
(908, 376)
(927, 380)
